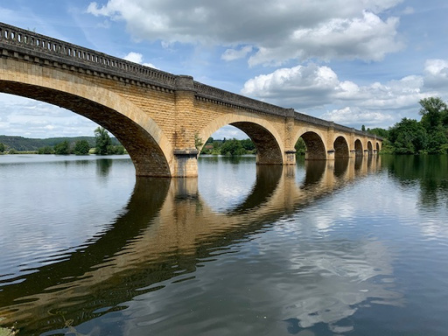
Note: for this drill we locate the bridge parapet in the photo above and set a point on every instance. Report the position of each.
(40, 46)
(222, 96)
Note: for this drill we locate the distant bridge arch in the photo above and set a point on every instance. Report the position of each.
(369, 148)
(315, 144)
(358, 148)
(341, 148)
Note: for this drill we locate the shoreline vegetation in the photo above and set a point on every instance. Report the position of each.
(409, 136)
(101, 144)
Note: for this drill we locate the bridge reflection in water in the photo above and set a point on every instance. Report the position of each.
(167, 231)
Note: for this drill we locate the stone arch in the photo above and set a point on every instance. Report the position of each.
(315, 146)
(378, 147)
(340, 146)
(145, 142)
(358, 147)
(265, 137)
(369, 147)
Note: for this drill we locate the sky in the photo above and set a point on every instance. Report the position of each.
(354, 62)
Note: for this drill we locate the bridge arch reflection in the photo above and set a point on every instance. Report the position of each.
(166, 228)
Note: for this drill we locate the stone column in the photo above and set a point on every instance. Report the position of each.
(290, 151)
(375, 152)
(330, 142)
(365, 145)
(351, 145)
(185, 152)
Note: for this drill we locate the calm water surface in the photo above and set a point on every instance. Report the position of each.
(322, 248)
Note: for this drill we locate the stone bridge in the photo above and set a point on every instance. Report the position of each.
(162, 120)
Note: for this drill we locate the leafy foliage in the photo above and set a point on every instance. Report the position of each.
(300, 146)
(29, 144)
(248, 145)
(381, 132)
(2, 147)
(430, 135)
(433, 112)
(82, 147)
(102, 141)
(62, 148)
(45, 150)
(408, 137)
(232, 147)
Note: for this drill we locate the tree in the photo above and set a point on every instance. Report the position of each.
(381, 132)
(45, 150)
(408, 137)
(119, 150)
(248, 145)
(434, 112)
(82, 147)
(232, 147)
(363, 128)
(102, 141)
(2, 147)
(300, 146)
(437, 140)
(62, 148)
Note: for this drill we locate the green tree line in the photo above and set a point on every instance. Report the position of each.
(427, 136)
(229, 147)
(101, 144)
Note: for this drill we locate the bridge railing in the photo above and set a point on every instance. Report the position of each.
(211, 92)
(206, 91)
(41, 44)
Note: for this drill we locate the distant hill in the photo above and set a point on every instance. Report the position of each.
(28, 144)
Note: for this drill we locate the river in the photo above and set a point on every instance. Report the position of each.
(349, 247)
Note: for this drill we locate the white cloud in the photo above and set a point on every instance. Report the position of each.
(408, 11)
(28, 117)
(134, 57)
(348, 115)
(278, 30)
(367, 38)
(436, 74)
(233, 54)
(137, 58)
(297, 83)
(317, 90)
